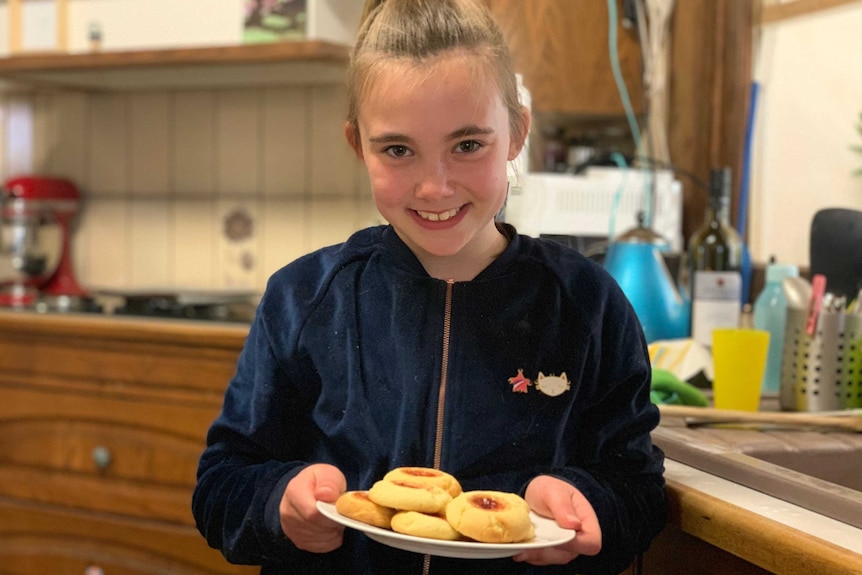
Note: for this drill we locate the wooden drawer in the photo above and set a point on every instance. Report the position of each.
(110, 434)
(35, 539)
(102, 423)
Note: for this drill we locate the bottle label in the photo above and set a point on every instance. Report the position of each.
(716, 303)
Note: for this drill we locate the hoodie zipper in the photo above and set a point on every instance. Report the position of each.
(444, 374)
(441, 394)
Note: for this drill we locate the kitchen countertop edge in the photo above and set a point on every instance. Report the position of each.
(179, 331)
(753, 525)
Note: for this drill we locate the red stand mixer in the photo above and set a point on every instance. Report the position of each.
(36, 214)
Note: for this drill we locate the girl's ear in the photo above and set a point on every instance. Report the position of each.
(519, 137)
(351, 132)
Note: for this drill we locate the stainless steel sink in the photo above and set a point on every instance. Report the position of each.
(821, 472)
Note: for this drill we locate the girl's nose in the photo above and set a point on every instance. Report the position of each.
(434, 182)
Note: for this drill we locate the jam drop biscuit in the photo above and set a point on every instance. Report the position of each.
(491, 517)
(409, 496)
(356, 505)
(426, 476)
(424, 525)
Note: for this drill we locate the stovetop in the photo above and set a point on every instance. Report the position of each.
(199, 306)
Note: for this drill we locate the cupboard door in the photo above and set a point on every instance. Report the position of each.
(561, 49)
(35, 540)
(108, 435)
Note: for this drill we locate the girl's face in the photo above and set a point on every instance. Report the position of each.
(435, 138)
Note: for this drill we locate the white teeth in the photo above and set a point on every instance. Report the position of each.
(438, 217)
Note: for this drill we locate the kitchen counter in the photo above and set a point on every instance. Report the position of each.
(221, 335)
(190, 362)
(778, 536)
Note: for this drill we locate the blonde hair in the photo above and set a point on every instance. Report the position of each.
(420, 30)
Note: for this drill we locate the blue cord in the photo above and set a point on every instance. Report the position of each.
(627, 106)
(621, 164)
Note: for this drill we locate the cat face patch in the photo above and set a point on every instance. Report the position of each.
(553, 385)
(550, 385)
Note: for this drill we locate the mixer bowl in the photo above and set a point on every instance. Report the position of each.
(31, 241)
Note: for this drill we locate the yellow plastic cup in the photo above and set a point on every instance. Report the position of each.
(739, 361)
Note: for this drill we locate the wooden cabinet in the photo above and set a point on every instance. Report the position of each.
(276, 64)
(561, 49)
(101, 425)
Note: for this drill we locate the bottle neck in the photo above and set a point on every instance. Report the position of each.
(717, 212)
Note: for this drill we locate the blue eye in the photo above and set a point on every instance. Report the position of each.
(397, 151)
(469, 146)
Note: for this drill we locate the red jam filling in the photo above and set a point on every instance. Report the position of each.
(420, 472)
(488, 503)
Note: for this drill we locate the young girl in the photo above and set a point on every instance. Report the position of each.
(443, 339)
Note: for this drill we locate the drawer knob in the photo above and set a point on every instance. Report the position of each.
(101, 457)
(94, 570)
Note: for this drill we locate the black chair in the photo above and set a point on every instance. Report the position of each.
(836, 250)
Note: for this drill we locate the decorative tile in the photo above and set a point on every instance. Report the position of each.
(238, 264)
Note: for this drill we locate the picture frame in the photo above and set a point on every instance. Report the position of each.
(37, 26)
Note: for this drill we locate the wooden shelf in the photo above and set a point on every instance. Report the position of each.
(276, 64)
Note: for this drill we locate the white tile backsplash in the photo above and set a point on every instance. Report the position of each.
(161, 171)
(107, 144)
(104, 257)
(193, 253)
(150, 240)
(238, 142)
(193, 140)
(67, 136)
(286, 132)
(285, 232)
(149, 143)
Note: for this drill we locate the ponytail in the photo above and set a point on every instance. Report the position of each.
(370, 6)
(419, 30)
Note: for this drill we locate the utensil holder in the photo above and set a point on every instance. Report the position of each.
(850, 387)
(812, 367)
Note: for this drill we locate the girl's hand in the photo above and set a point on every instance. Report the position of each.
(301, 522)
(558, 500)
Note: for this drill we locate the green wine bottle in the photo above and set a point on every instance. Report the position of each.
(715, 259)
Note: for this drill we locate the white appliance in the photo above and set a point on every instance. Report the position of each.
(600, 203)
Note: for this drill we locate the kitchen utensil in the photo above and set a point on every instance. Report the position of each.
(30, 246)
(35, 221)
(811, 364)
(815, 304)
(635, 261)
(797, 290)
(849, 421)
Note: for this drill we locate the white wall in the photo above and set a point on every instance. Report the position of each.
(161, 173)
(811, 98)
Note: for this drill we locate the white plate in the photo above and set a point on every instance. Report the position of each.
(548, 534)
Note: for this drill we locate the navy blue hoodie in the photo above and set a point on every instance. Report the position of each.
(344, 364)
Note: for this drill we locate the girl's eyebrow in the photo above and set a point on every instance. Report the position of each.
(466, 131)
(471, 130)
(389, 138)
